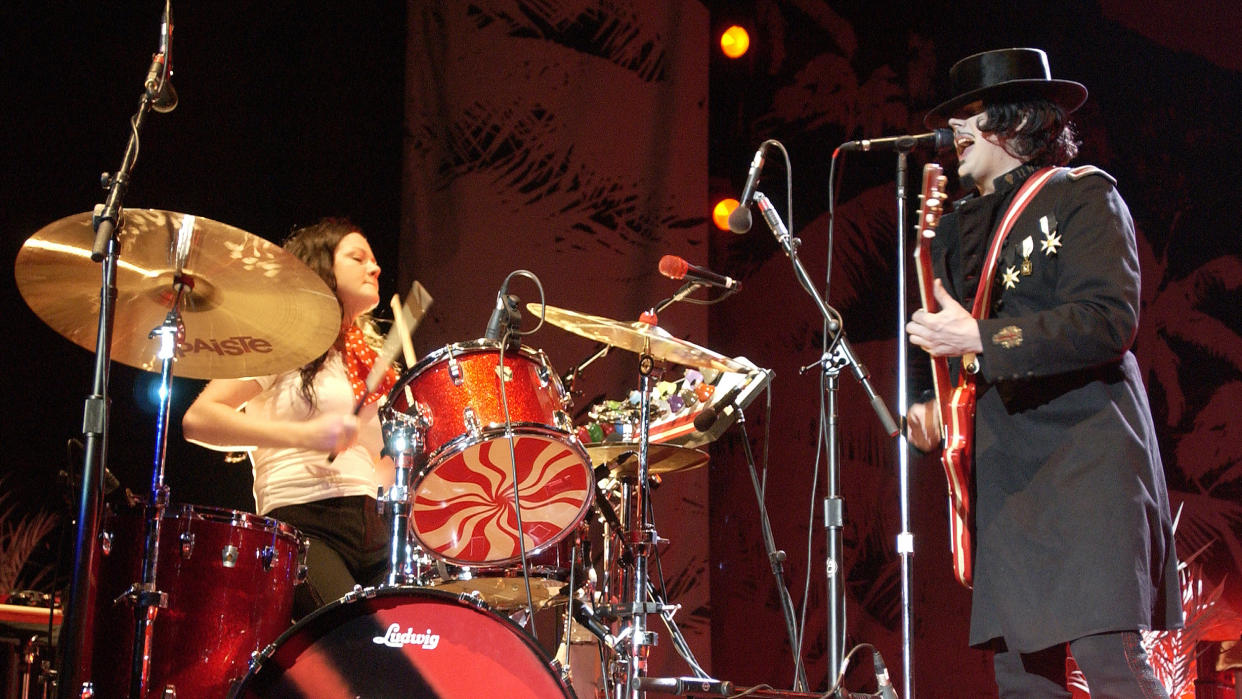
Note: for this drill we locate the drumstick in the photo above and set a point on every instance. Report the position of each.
(405, 321)
(407, 347)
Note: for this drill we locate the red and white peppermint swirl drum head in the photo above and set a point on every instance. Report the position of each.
(463, 502)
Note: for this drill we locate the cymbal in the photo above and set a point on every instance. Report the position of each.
(636, 337)
(622, 457)
(253, 309)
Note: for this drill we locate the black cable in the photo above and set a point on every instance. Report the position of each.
(513, 466)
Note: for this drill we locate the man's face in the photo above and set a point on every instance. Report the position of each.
(980, 156)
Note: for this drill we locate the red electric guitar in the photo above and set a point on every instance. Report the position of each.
(956, 402)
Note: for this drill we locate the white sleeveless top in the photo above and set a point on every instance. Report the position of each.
(284, 476)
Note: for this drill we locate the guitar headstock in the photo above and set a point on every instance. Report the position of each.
(931, 200)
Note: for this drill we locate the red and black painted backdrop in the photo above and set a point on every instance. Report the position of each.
(591, 128)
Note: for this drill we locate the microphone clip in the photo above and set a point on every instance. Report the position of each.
(506, 319)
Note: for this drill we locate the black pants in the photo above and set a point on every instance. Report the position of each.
(1114, 664)
(348, 547)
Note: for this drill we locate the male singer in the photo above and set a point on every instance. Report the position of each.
(1073, 538)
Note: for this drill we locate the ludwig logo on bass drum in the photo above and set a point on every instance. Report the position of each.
(395, 638)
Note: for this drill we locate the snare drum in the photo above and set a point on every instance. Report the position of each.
(462, 503)
(229, 578)
(403, 641)
(504, 588)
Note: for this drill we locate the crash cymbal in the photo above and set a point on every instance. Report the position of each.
(622, 457)
(249, 309)
(636, 337)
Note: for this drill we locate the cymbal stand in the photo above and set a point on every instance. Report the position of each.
(79, 619)
(148, 600)
(406, 438)
(839, 356)
(642, 540)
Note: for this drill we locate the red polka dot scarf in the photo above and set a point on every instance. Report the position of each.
(359, 358)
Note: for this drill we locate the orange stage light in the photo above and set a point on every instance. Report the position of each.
(720, 213)
(734, 42)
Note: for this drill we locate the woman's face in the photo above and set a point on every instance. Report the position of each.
(357, 276)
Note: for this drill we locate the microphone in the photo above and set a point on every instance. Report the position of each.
(674, 267)
(583, 615)
(159, 76)
(940, 139)
(706, 419)
(739, 219)
(882, 681)
(682, 686)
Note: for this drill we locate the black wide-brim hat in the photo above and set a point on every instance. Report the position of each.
(1005, 75)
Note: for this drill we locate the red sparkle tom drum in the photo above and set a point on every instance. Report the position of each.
(462, 502)
(229, 577)
(403, 641)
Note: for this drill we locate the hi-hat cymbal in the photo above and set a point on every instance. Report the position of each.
(249, 308)
(622, 457)
(636, 337)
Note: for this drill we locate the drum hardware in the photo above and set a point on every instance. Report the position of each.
(471, 420)
(406, 439)
(637, 531)
(267, 557)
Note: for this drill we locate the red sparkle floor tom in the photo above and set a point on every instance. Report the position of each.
(229, 577)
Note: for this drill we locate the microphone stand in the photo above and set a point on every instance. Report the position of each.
(905, 540)
(776, 558)
(79, 619)
(839, 356)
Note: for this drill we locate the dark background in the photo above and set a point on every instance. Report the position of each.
(290, 111)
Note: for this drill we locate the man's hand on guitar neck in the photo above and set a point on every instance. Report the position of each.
(949, 332)
(923, 426)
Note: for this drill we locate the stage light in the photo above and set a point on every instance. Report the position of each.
(720, 213)
(734, 42)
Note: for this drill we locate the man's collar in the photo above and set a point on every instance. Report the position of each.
(1013, 178)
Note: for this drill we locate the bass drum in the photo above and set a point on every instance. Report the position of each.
(403, 641)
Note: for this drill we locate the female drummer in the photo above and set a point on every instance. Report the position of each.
(291, 423)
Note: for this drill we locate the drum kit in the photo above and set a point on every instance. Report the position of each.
(502, 506)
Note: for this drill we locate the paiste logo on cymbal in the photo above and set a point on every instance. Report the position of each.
(231, 346)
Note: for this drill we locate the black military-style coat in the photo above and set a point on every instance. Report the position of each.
(1073, 534)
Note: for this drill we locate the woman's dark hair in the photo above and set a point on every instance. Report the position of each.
(1036, 131)
(315, 245)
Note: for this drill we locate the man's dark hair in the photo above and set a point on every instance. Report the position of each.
(1036, 131)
